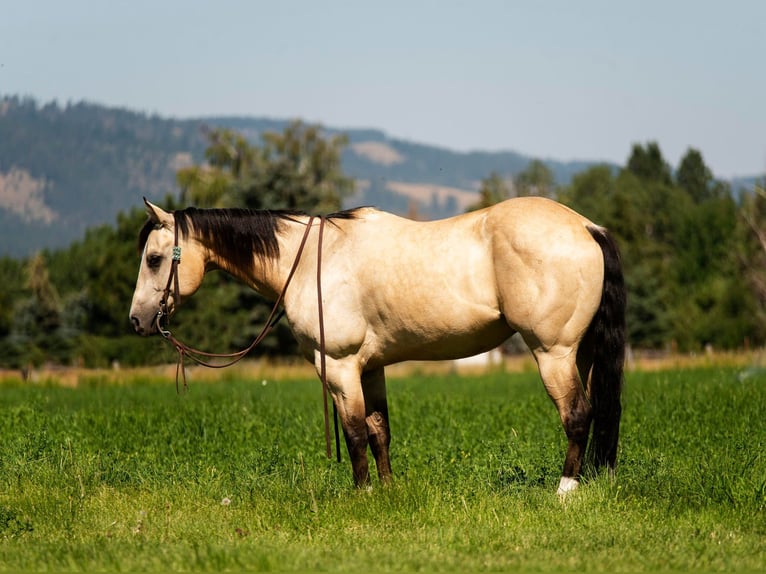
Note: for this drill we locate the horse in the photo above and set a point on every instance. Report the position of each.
(394, 289)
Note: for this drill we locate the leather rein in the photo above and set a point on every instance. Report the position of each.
(203, 358)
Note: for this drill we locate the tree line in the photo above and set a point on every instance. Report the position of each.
(692, 248)
(694, 253)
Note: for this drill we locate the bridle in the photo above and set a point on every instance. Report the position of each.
(172, 281)
(203, 357)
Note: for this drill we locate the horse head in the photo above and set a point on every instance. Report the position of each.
(161, 283)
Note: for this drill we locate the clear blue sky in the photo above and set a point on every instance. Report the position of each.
(553, 79)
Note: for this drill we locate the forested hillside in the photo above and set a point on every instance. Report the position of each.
(65, 168)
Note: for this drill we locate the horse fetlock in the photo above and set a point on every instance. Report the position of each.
(357, 442)
(361, 473)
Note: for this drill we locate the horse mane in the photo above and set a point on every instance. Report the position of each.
(237, 234)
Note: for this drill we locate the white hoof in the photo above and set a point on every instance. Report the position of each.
(567, 485)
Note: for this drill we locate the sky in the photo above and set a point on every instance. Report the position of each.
(564, 80)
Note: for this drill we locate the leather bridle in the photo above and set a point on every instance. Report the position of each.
(172, 281)
(204, 358)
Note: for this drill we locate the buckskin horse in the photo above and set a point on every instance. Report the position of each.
(393, 290)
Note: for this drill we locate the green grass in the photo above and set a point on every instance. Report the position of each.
(232, 476)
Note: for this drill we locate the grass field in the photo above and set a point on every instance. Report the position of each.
(231, 475)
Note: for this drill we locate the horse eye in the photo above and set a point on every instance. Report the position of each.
(154, 261)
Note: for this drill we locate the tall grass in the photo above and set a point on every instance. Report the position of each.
(232, 475)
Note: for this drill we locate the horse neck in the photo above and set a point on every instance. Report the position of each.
(267, 275)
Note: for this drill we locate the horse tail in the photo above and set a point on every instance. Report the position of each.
(608, 339)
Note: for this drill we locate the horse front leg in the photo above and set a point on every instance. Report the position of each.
(376, 412)
(355, 433)
(345, 386)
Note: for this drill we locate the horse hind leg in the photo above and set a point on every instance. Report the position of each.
(559, 372)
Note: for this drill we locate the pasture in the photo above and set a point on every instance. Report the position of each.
(231, 475)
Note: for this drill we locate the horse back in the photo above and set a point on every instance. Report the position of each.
(461, 285)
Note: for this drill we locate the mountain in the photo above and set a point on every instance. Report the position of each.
(66, 168)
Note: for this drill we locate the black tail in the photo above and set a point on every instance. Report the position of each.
(608, 336)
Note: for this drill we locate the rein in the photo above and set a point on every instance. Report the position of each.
(202, 357)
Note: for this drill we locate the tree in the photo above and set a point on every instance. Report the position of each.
(11, 289)
(678, 242)
(535, 179)
(751, 244)
(694, 176)
(753, 213)
(648, 164)
(592, 192)
(297, 169)
(229, 158)
(494, 189)
(37, 318)
(300, 169)
(43, 292)
(620, 203)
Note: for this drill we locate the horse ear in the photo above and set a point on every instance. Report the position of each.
(158, 215)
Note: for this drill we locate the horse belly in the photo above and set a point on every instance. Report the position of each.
(451, 337)
(459, 345)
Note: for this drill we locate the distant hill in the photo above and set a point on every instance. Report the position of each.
(66, 168)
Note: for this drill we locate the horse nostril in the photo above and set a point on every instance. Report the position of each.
(136, 323)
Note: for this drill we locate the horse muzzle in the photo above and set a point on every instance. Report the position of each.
(150, 319)
(144, 327)
(146, 324)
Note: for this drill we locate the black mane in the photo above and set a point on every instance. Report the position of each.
(236, 234)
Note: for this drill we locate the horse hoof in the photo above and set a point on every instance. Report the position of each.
(567, 485)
